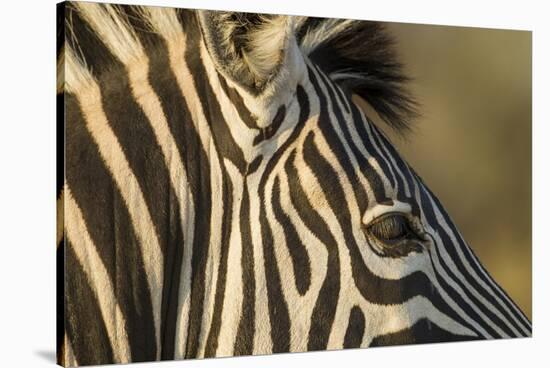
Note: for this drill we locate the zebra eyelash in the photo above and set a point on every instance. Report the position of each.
(395, 235)
(390, 227)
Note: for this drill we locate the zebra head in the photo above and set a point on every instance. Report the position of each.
(259, 209)
(357, 250)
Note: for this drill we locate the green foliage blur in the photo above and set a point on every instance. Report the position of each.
(472, 143)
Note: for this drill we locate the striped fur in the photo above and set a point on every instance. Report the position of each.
(201, 219)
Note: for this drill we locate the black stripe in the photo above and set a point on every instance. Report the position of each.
(444, 281)
(324, 311)
(373, 288)
(269, 131)
(164, 84)
(375, 134)
(254, 165)
(132, 289)
(227, 211)
(356, 328)
(402, 166)
(60, 301)
(244, 343)
(237, 101)
(278, 309)
(399, 166)
(422, 332)
(479, 269)
(457, 298)
(147, 162)
(84, 325)
(449, 245)
(331, 136)
(362, 125)
(197, 168)
(297, 250)
(226, 148)
(110, 228)
(343, 98)
(223, 140)
(199, 181)
(87, 44)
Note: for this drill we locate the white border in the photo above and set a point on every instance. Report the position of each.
(27, 160)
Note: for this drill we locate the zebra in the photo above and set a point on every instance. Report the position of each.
(220, 193)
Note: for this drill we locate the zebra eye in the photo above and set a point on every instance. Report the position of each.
(395, 235)
(390, 228)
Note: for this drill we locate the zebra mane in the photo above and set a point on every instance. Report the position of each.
(356, 54)
(359, 55)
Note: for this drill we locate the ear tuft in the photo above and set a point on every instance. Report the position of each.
(248, 48)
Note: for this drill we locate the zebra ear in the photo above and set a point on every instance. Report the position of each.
(248, 48)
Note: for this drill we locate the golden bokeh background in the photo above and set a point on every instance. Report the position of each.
(472, 143)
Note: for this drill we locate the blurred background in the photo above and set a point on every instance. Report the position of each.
(472, 144)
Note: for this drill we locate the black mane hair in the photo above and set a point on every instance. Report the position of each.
(359, 55)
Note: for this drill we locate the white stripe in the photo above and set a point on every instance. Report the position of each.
(388, 268)
(241, 133)
(345, 261)
(369, 156)
(393, 166)
(151, 105)
(262, 336)
(500, 292)
(184, 302)
(89, 97)
(414, 309)
(100, 282)
(438, 263)
(70, 359)
(452, 265)
(233, 295)
(319, 202)
(356, 167)
(301, 307)
(352, 207)
(433, 279)
(368, 124)
(164, 21)
(113, 29)
(176, 42)
(390, 191)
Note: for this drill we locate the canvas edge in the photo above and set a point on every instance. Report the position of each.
(60, 178)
